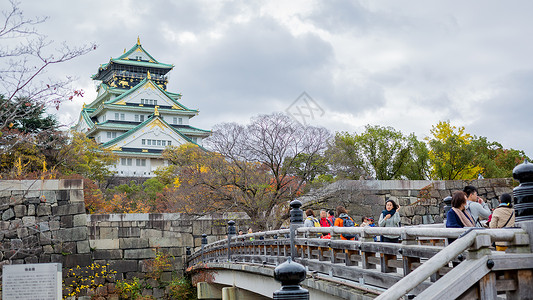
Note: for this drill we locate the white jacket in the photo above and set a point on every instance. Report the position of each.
(476, 210)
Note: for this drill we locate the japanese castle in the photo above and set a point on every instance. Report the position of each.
(135, 116)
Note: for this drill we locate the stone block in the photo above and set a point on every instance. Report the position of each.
(434, 210)
(408, 211)
(68, 248)
(83, 247)
(107, 254)
(54, 225)
(44, 226)
(200, 227)
(67, 221)
(80, 220)
(70, 184)
(72, 234)
(29, 220)
(45, 238)
(48, 249)
(420, 210)
(171, 234)
(405, 221)
(128, 232)
(8, 214)
(31, 210)
(76, 196)
(63, 196)
(124, 266)
(427, 219)
(133, 243)
(76, 208)
(104, 244)
(417, 220)
(22, 232)
(49, 196)
(165, 242)
(139, 253)
(108, 233)
(151, 233)
(31, 259)
(187, 239)
(20, 210)
(44, 210)
(82, 260)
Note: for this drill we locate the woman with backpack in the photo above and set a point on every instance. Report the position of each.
(390, 217)
(343, 220)
(503, 216)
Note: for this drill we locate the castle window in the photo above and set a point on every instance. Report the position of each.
(142, 118)
(194, 139)
(159, 142)
(143, 141)
(122, 117)
(140, 162)
(174, 120)
(163, 143)
(169, 143)
(116, 116)
(136, 118)
(149, 142)
(180, 121)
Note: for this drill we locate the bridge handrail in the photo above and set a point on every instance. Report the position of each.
(506, 234)
(425, 270)
(281, 235)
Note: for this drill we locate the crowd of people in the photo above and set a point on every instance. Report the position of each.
(389, 217)
(469, 210)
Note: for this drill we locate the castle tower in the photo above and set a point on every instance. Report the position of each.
(135, 116)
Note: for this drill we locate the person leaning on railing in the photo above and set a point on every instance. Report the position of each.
(458, 216)
(503, 216)
(390, 217)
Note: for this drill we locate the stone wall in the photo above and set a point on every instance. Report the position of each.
(421, 200)
(128, 241)
(45, 221)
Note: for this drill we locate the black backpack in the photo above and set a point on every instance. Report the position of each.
(348, 222)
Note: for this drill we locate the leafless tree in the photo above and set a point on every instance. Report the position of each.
(283, 148)
(25, 57)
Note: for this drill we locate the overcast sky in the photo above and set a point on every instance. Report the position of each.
(405, 64)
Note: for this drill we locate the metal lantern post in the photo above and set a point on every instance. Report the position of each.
(523, 194)
(231, 233)
(204, 242)
(297, 220)
(290, 274)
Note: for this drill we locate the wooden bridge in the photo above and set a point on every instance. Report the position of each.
(422, 266)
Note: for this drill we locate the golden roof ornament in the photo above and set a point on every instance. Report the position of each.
(124, 50)
(138, 41)
(156, 111)
(83, 105)
(148, 75)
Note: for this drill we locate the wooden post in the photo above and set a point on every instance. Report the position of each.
(364, 260)
(384, 263)
(487, 287)
(408, 264)
(524, 283)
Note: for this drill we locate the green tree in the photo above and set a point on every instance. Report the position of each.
(83, 156)
(452, 153)
(494, 160)
(380, 152)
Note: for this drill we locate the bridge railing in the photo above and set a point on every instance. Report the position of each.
(365, 261)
